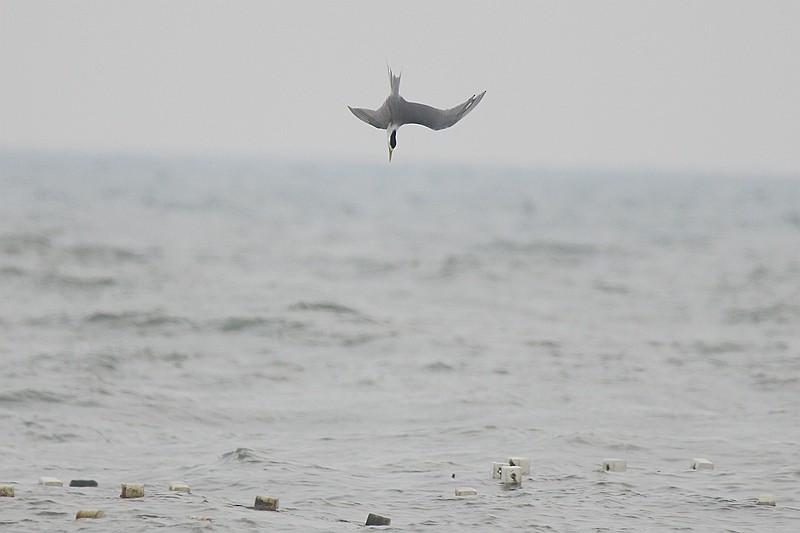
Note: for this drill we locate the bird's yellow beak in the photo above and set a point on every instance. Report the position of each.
(390, 155)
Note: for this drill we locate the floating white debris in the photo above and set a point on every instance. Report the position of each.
(702, 464)
(377, 520)
(522, 462)
(511, 475)
(264, 503)
(466, 491)
(179, 486)
(615, 465)
(132, 490)
(50, 482)
(89, 513)
(496, 469)
(766, 499)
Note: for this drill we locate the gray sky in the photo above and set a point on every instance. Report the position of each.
(676, 85)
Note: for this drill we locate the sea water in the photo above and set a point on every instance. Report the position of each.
(357, 339)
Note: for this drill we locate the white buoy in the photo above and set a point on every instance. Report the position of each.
(522, 462)
(132, 490)
(702, 464)
(511, 475)
(179, 486)
(264, 503)
(466, 491)
(615, 465)
(6, 491)
(50, 482)
(89, 513)
(766, 499)
(496, 469)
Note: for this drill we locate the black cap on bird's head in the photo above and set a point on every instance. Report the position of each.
(392, 134)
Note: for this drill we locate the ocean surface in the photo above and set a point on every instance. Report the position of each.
(365, 339)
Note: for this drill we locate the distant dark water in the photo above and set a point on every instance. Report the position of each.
(348, 339)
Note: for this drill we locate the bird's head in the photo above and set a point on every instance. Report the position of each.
(391, 139)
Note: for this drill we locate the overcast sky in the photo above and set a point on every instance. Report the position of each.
(675, 85)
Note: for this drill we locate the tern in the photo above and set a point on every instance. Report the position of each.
(397, 111)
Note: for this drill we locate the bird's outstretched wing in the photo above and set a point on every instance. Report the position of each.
(378, 117)
(433, 118)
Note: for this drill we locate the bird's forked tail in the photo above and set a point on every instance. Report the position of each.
(394, 81)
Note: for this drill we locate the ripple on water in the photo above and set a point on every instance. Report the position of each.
(32, 396)
(22, 243)
(66, 281)
(260, 325)
(325, 307)
(778, 313)
(154, 319)
(106, 254)
(243, 455)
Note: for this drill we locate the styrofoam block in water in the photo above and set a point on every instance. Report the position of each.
(263, 503)
(6, 491)
(132, 490)
(89, 513)
(179, 486)
(615, 465)
(702, 464)
(511, 475)
(466, 491)
(522, 462)
(496, 468)
(377, 520)
(50, 482)
(766, 499)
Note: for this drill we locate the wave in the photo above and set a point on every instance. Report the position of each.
(21, 243)
(32, 396)
(779, 313)
(324, 307)
(106, 254)
(335, 309)
(80, 282)
(557, 250)
(260, 324)
(244, 455)
(12, 271)
(137, 319)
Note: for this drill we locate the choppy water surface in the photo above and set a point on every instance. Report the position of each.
(354, 340)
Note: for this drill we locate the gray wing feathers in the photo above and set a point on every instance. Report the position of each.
(433, 118)
(378, 118)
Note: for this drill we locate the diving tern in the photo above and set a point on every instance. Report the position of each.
(397, 111)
